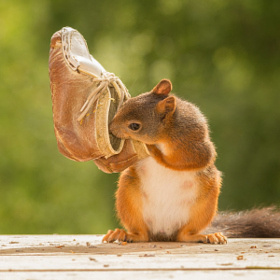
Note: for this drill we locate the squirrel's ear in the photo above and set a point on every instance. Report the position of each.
(163, 87)
(167, 105)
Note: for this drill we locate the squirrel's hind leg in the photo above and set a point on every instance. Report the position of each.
(130, 210)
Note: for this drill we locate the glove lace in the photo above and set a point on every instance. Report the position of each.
(104, 82)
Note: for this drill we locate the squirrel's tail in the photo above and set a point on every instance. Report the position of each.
(256, 223)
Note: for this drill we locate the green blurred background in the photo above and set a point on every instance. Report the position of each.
(222, 55)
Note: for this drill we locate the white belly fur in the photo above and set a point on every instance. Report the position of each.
(167, 196)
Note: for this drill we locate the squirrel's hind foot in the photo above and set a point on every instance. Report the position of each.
(214, 238)
(114, 235)
(122, 236)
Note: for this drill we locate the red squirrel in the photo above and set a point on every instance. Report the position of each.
(172, 195)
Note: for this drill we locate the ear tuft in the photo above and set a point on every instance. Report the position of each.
(163, 87)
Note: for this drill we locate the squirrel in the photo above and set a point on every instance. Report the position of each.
(171, 195)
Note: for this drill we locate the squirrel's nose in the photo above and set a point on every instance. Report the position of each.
(117, 131)
(114, 129)
(111, 127)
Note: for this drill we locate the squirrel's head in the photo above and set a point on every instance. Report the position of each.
(145, 117)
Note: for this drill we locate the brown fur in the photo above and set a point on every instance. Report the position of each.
(129, 205)
(177, 136)
(256, 223)
(183, 130)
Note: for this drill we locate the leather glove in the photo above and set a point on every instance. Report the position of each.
(85, 98)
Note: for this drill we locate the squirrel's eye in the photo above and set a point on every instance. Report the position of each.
(134, 126)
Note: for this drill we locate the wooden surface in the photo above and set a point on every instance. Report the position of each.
(85, 257)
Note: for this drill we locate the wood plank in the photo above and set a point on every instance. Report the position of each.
(136, 275)
(84, 256)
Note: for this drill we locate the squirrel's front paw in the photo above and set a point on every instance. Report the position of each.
(117, 234)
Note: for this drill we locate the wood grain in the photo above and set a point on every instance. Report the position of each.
(85, 257)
